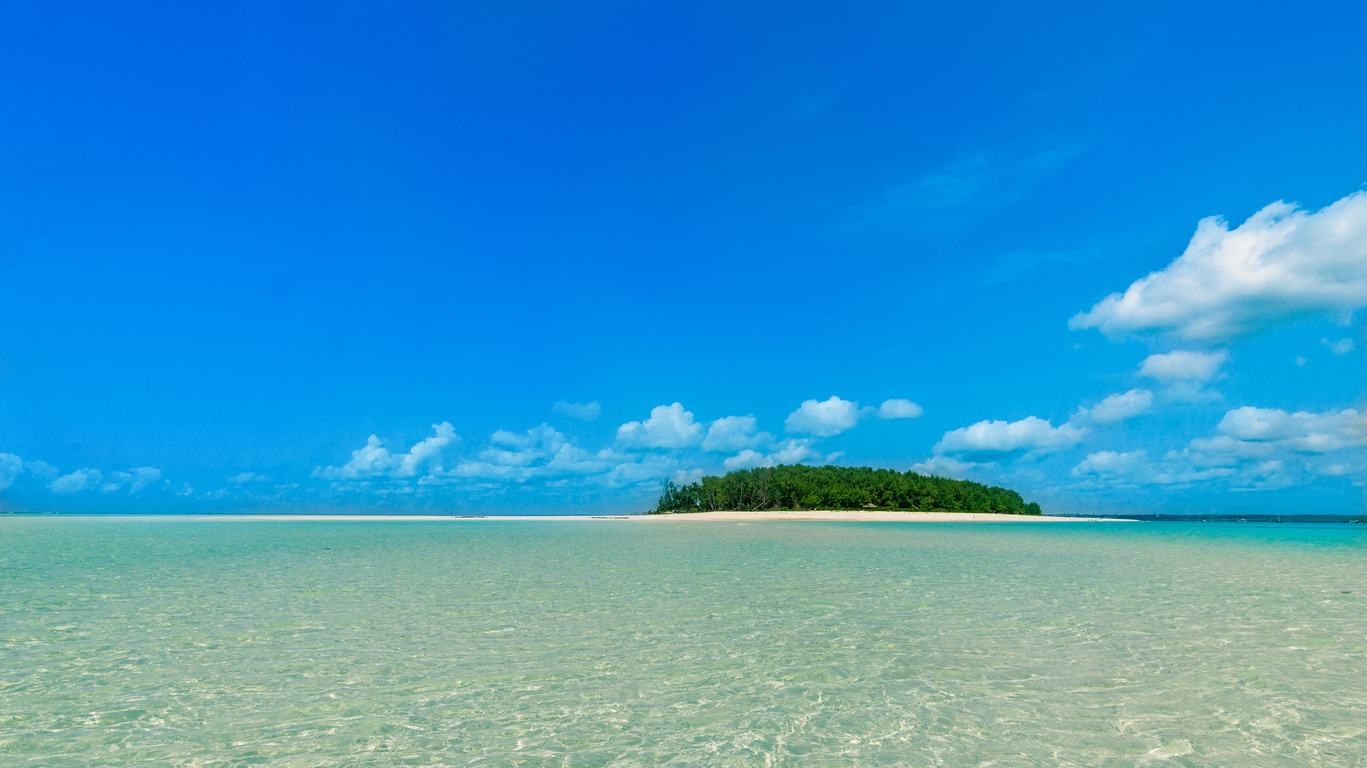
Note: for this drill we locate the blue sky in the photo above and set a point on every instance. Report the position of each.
(527, 257)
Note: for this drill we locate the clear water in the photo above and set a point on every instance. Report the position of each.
(213, 643)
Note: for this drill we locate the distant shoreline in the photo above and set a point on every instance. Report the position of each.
(876, 516)
(826, 516)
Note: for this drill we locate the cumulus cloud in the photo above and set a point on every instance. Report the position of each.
(1111, 464)
(579, 411)
(747, 459)
(649, 469)
(944, 466)
(686, 476)
(1340, 347)
(823, 419)
(242, 478)
(669, 426)
(10, 468)
(374, 460)
(899, 409)
(80, 480)
(1253, 449)
(1184, 365)
(135, 479)
(1301, 431)
(1280, 265)
(794, 452)
(513, 449)
(1118, 407)
(733, 433)
(1001, 440)
(1178, 470)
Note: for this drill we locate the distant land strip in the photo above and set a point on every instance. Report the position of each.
(796, 487)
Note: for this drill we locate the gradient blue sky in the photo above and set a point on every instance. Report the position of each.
(430, 256)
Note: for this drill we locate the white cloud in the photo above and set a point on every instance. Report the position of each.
(1128, 469)
(1221, 451)
(687, 476)
(1184, 365)
(136, 479)
(1280, 265)
(669, 426)
(999, 440)
(1254, 449)
(1112, 464)
(374, 460)
(733, 433)
(1300, 431)
(10, 468)
(511, 449)
(541, 452)
(943, 466)
(1340, 347)
(426, 449)
(794, 452)
(823, 419)
(41, 469)
(899, 409)
(1262, 448)
(570, 459)
(1186, 476)
(580, 411)
(747, 459)
(1119, 407)
(242, 478)
(650, 469)
(79, 480)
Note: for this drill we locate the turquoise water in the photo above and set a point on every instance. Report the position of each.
(487, 643)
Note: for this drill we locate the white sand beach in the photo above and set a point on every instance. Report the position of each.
(828, 516)
(869, 516)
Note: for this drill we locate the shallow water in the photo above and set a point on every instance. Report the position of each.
(309, 643)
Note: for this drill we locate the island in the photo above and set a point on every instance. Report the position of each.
(795, 487)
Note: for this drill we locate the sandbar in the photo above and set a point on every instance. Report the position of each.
(825, 516)
(872, 516)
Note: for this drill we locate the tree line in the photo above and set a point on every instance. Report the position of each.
(797, 486)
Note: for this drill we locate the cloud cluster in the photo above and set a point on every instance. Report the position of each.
(1121, 406)
(734, 433)
(899, 409)
(670, 442)
(10, 468)
(374, 460)
(540, 452)
(1183, 365)
(1302, 431)
(133, 480)
(1282, 264)
(1253, 448)
(1134, 468)
(825, 418)
(988, 441)
(669, 427)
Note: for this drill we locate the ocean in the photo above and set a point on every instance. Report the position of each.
(207, 642)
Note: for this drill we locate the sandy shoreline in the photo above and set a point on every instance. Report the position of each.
(828, 516)
(875, 516)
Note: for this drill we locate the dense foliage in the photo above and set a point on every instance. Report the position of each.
(830, 487)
